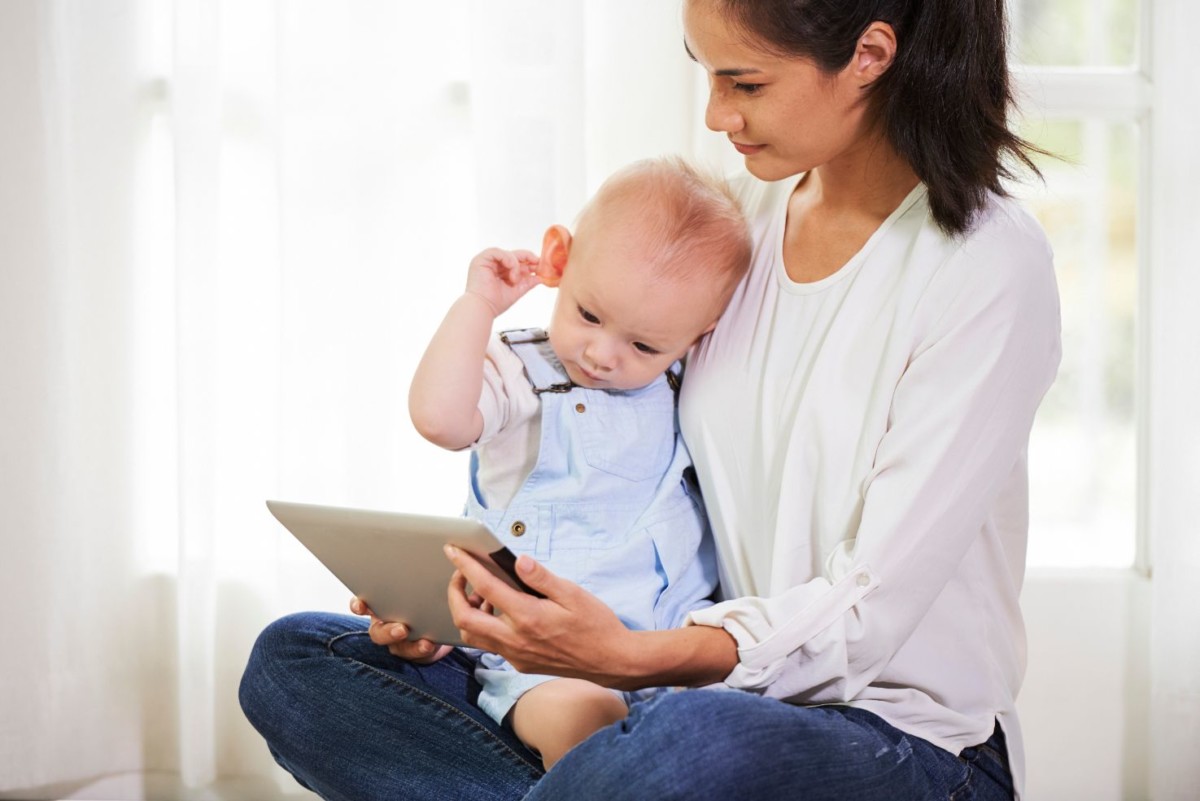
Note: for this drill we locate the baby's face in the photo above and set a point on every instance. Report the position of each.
(618, 326)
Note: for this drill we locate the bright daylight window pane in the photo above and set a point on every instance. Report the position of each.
(1074, 33)
(1083, 467)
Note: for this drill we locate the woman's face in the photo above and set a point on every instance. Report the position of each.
(783, 114)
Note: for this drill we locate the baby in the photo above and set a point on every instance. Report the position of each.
(577, 459)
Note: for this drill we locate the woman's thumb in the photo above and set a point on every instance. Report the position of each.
(537, 579)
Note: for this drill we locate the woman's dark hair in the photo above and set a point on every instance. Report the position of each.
(944, 101)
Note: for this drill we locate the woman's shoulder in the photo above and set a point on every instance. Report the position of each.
(1007, 243)
(1004, 238)
(1004, 258)
(1005, 225)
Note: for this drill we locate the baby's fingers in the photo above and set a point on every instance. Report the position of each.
(517, 270)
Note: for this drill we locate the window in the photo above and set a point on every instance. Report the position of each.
(1084, 99)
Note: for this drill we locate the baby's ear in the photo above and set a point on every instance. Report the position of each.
(556, 246)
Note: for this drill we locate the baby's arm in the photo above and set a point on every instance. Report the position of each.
(558, 715)
(444, 398)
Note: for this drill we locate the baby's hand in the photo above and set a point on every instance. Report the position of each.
(501, 277)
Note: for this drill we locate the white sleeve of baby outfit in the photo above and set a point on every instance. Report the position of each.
(507, 399)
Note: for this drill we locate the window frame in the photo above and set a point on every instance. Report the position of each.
(1160, 642)
(1128, 95)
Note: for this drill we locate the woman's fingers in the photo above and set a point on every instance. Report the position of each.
(538, 577)
(394, 637)
(386, 633)
(560, 634)
(422, 652)
(486, 584)
(478, 628)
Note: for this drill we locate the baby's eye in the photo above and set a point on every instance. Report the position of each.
(644, 348)
(588, 316)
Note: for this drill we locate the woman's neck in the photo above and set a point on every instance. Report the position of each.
(836, 208)
(867, 182)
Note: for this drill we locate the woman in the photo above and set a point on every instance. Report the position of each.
(859, 420)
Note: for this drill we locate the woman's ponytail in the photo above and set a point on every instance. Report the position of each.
(944, 105)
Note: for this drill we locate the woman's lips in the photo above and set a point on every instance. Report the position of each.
(747, 150)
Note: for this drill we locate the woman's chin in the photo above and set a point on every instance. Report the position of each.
(767, 169)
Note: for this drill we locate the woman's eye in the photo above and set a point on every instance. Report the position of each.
(644, 348)
(588, 316)
(747, 88)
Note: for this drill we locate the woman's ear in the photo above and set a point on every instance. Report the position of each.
(556, 246)
(875, 52)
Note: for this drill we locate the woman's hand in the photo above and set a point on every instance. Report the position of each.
(394, 637)
(568, 633)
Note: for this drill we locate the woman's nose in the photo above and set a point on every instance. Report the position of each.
(720, 115)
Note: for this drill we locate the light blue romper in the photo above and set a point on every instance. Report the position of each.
(608, 506)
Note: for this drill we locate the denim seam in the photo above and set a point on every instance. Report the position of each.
(992, 752)
(514, 755)
(954, 794)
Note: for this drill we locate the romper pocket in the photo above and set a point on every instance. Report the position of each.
(628, 436)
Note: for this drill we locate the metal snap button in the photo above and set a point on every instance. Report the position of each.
(517, 528)
(579, 407)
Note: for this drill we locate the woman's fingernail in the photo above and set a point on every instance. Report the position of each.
(450, 550)
(425, 647)
(399, 632)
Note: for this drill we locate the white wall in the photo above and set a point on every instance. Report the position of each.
(1085, 704)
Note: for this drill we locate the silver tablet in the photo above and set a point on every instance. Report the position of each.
(394, 561)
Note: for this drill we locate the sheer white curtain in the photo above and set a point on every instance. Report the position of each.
(226, 229)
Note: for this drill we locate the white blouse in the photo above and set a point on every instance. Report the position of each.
(861, 445)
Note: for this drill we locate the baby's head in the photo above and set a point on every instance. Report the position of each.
(655, 257)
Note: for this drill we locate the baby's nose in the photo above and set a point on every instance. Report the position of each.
(600, 357)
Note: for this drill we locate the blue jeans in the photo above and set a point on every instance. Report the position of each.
(353, 723)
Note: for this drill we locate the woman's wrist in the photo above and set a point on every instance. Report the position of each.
(691, 656)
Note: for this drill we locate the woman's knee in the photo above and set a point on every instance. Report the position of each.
(285, 639)
(712, 732)
(679, 745)
(709, 744)
(270, 670)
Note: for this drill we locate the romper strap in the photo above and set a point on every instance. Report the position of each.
(519, 336)
(673, 377)
(545, 373)
(542, 368)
